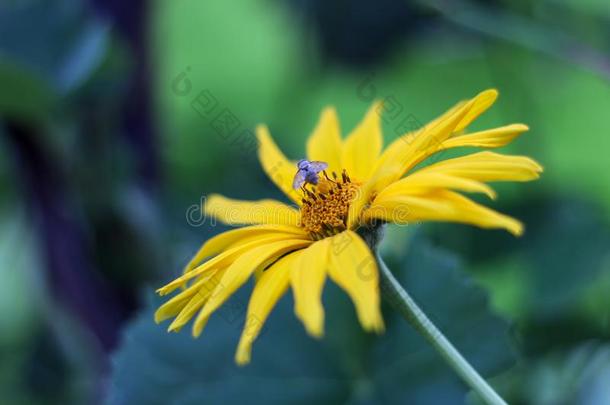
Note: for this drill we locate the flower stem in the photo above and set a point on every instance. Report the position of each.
(404, 304)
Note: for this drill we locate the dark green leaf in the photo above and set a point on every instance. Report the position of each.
(348, 366)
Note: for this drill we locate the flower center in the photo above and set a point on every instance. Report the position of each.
(325, 206)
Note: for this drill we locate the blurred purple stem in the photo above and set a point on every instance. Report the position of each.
(71, 274)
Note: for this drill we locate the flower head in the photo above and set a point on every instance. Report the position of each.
(300, 247)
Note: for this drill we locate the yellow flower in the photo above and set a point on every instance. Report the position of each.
(299, 247)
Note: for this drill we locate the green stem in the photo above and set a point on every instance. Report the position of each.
(518, 29)
(404, 304)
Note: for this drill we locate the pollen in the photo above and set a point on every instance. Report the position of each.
(325, 206)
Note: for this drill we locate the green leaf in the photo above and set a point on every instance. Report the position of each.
(239, 72)
(18, 266)
(563, 250)
(158, 368)
(409, 370)
(24, 96)
(577, 375)
(74, 45)
(347, 366)
(35, 73)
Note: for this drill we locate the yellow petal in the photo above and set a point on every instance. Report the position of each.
(189, 310)
(481, 103)
(405, 153)
(413, 149)
(271, 286)
(237, 212)
(432, 137)
(239, 272)
(439, 205)
(279, 169)
(397, 146)
(173, 307)
(423, 182)
(362, 147)
(222, 260)
(197, 301)
(491, 138)
(234, 237)
(410, 149)
(459, 105)
(487, 166)
(354, 269)
(324, 144)
(307, 278)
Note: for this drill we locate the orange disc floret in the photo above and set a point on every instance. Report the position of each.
(325, 206)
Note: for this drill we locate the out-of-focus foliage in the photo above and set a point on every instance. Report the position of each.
(346, 366)
(81, 211)
(573, 376)
(59, 55)
(567, 129)
(562, 337)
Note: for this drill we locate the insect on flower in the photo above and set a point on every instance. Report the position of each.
(308, 172)
(295, 248)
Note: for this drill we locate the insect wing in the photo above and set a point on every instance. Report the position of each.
(317, 167)
(299, 179)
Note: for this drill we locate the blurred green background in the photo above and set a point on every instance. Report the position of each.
(106, 154)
